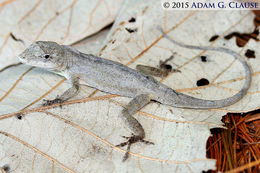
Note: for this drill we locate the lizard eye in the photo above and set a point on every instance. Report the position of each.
(46, 56)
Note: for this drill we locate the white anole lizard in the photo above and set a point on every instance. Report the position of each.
(115, 78)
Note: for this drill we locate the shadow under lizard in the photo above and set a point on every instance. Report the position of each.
(115, 78)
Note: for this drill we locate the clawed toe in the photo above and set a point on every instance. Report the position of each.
(131, 140)
(51, 102)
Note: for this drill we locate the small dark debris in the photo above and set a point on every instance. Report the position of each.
(6, 168)
(57, 13)
(202, 82)
(132, 20)
(213, 38)
(131, 30)
(19, 117)
(229, 36)
(257, 18)
(162, 64)
(16, 39)
(250, 53)
(166, 67)
(243, 38)
(208, 171)
(203, 58)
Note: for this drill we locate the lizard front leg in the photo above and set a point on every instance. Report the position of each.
(69, 93)
(138, 132)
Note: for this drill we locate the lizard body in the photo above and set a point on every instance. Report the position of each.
(115, 78)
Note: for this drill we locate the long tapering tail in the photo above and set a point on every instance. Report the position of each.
(186, 101)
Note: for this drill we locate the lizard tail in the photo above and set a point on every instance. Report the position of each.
(186, 101)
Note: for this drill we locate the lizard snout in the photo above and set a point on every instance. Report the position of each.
(21, 57)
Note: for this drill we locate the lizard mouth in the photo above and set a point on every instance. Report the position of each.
(21, 59)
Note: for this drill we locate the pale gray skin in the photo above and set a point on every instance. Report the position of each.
(115, 78)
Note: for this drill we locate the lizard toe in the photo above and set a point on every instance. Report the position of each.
(131, 140)
(51, 102)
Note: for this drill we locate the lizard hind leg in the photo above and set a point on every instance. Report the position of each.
(138, 132)
(162, 71)
(150, 71)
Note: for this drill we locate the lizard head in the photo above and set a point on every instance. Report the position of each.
(45, 54)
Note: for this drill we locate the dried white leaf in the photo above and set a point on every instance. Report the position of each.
(81, 137)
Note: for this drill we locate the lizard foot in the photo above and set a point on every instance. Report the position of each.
(51, 102)
(131, 140)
